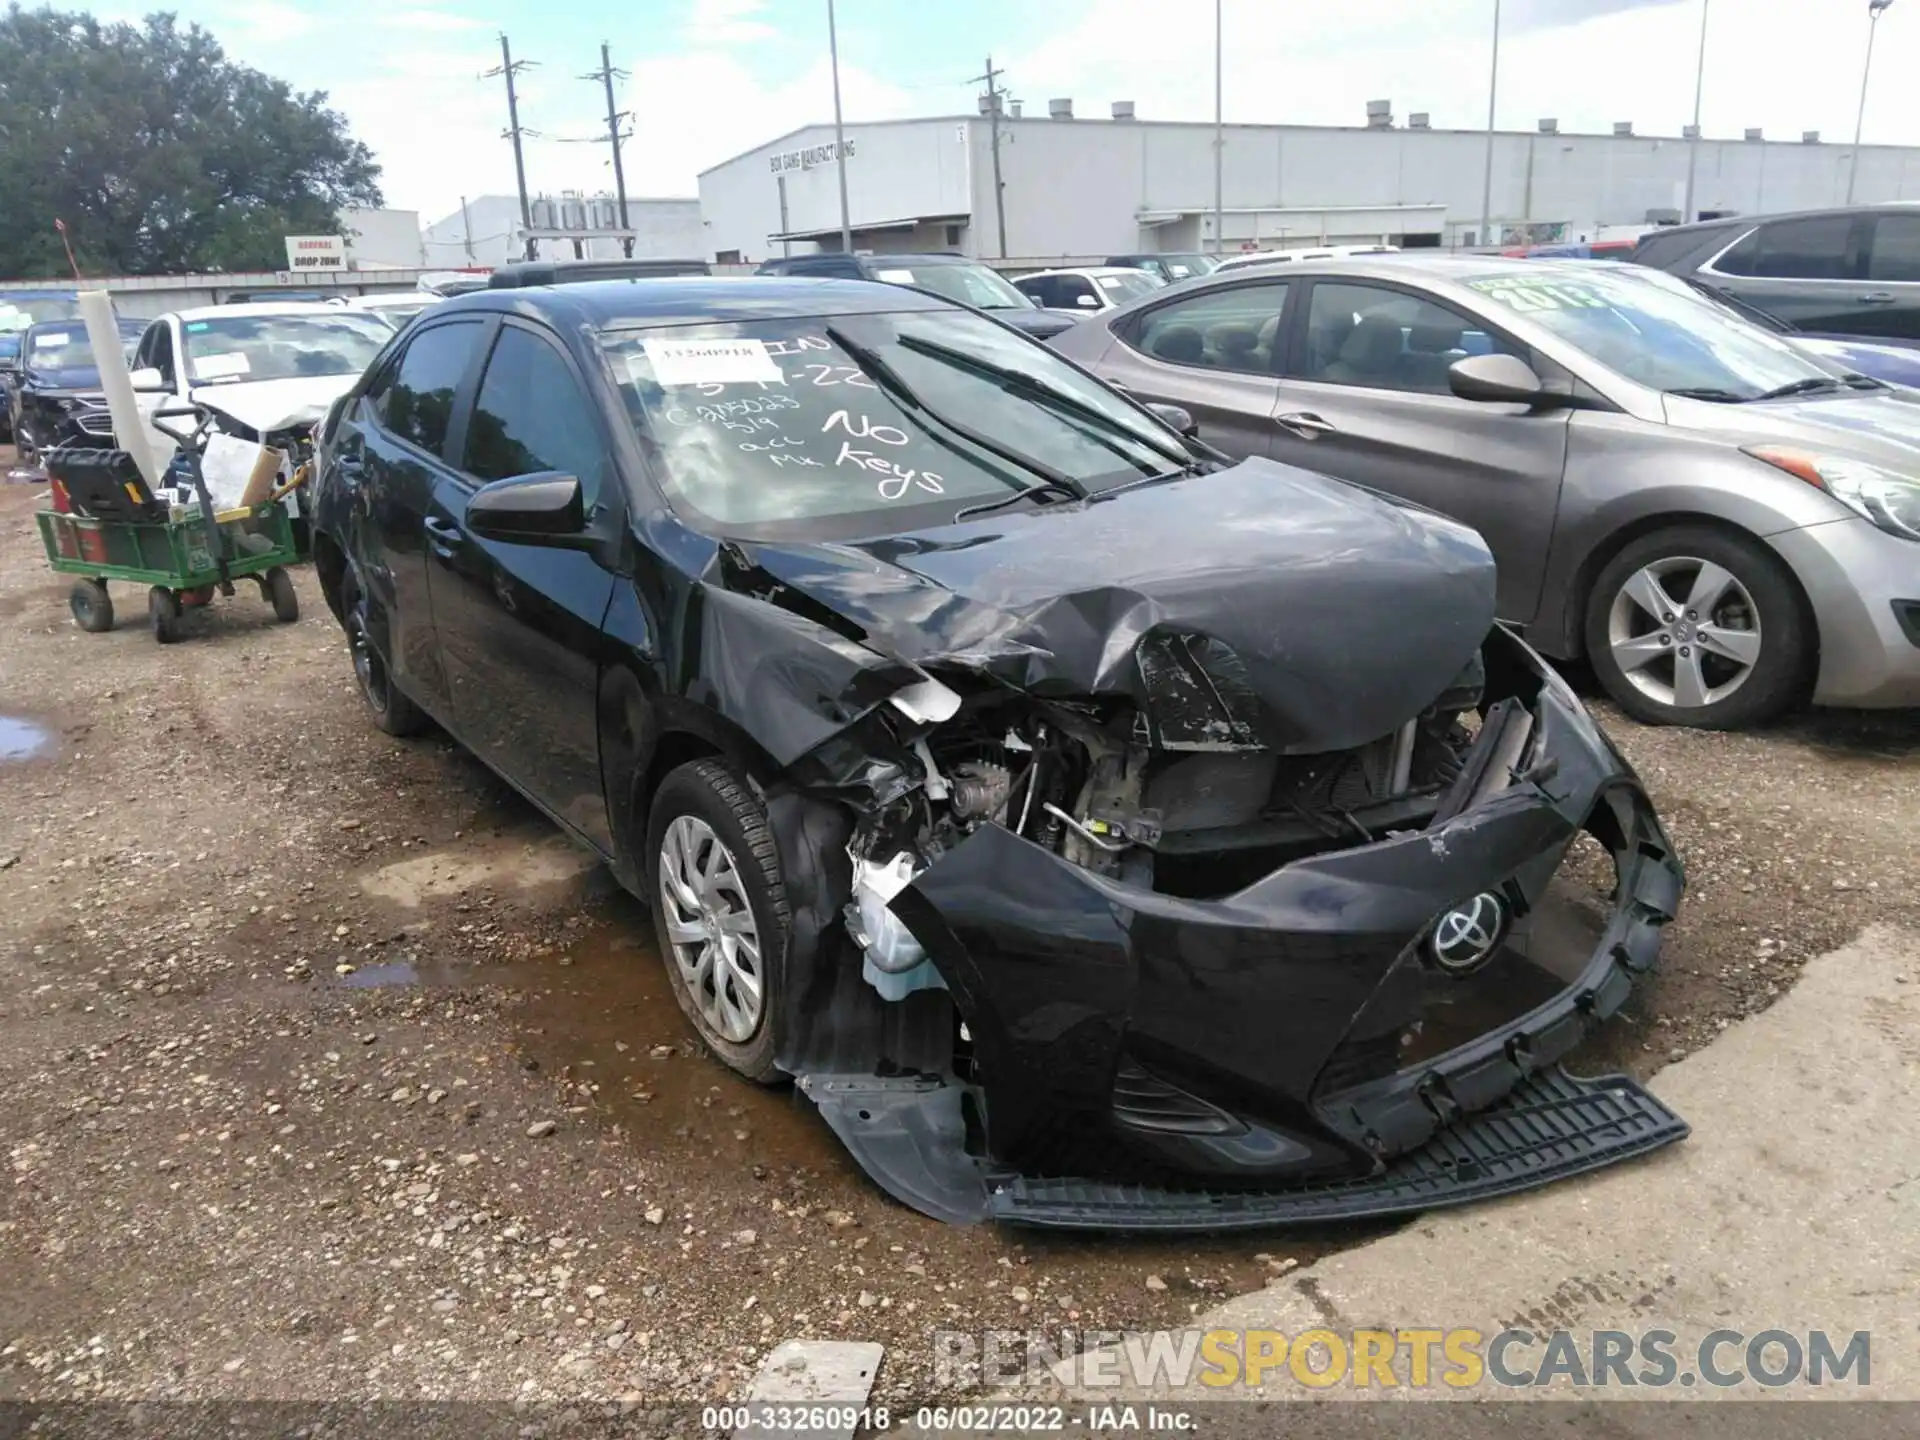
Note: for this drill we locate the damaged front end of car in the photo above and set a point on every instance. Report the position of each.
(1134, 914)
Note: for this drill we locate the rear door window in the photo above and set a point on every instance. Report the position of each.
(1894, 254)
(1812, 249)
(1236, 328)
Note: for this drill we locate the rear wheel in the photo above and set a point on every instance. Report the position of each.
(163, 614)
(720, 910)
(391, 711)
(91, 605)
(1694, 626)
(279, 587)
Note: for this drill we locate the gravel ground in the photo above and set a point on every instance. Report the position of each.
(327, 1071)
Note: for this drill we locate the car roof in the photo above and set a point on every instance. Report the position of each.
(258, 308)
(1093, 272)
(697, 299)
(1726, 222)
(391, 297)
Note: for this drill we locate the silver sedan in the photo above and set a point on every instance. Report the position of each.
(1722, 523)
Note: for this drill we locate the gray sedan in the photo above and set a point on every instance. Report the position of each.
(1722, 523)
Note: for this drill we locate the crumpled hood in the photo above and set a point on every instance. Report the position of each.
(1294, 611)
(64, 377)
(269, 405)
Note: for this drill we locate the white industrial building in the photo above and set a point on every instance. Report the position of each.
(487, 230)
(1082, 189)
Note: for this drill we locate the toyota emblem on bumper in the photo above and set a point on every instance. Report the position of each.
(1466, 936)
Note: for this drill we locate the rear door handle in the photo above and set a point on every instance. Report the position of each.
(443, 537)
(1305, 424)
(1876, 297)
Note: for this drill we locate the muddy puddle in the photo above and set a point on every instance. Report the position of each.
(23, 739)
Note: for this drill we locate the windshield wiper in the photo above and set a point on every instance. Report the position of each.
(1070, 403)
(882, 374)
(1708, 392)
(1811, 385)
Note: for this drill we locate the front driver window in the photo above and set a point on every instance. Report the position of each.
(1231, 329)
(532, 416)
(1385, 339)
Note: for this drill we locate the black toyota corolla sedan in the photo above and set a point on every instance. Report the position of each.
(1097, 831)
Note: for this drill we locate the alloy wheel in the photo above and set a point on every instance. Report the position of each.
(367, 666)
(710, 928)
(1684, 632)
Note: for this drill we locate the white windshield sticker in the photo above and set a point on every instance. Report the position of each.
(220, 367)
(894, 277)
(711, 362)
(51, 340)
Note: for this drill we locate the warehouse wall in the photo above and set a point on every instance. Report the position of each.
(1077, 187)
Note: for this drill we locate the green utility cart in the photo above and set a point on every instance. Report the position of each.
(106, 524)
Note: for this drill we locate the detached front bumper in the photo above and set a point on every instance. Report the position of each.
(1294, 1051)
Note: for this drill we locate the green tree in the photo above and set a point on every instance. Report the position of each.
(159, 153)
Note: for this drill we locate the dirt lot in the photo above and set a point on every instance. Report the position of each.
(328, 1071)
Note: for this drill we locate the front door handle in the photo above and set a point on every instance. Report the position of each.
(1876, 297)
(1305, 424)
(443, 537)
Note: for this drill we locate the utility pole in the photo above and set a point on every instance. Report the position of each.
(1219, 143)
(839, 134)
(1875, 9)
(992, 81)
(1693, 141)
(605, 75)
(466, 228)
(510, 67)
(1493, 85)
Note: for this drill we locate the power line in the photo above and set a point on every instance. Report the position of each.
(509, 67)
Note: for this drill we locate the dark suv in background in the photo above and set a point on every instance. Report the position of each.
(952, 277)
(1853, 271)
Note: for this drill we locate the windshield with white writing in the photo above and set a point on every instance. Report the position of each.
(1654, 330)
(973, 285)
(769, 428)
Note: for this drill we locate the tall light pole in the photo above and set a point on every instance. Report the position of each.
(1693, 141)
(839, 135)
(1875, 9)
(1219, 141)
(1493, 87)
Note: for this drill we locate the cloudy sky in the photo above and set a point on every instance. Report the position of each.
(711, 78)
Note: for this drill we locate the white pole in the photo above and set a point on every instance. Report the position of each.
(839, 135)
(1493, 85)
(1219, 141)
(1875, 8)
(1693, 144)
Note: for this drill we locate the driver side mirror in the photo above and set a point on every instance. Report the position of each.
(1496, 379)
(544, 508)
(148, 381)
(1178, 418)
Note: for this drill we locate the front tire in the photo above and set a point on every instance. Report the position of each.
(1694, 626)
(720, 911)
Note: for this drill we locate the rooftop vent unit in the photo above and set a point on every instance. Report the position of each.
(1809, 137)
(1549, 126)
(1379, 114)
(1123, 109)
(1623, 127)
(1689, 132)
(1419, 120)
(1753, 133)
(1060, 109)
(1013, 108)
